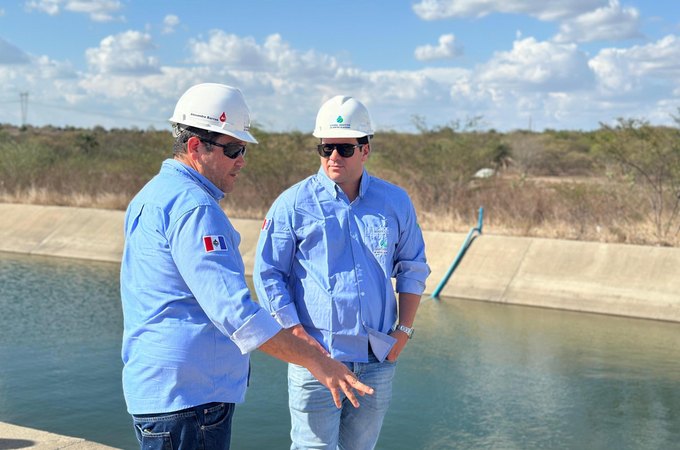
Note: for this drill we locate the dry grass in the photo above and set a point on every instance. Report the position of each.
(542, 208)
(43, 196)
(533, 209)
(552, 187)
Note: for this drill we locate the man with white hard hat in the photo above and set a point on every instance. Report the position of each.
(189, 320)
(328, 250)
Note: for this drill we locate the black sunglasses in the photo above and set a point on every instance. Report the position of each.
(231, 150)
(344, 150)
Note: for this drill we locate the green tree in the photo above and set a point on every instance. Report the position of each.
(649, 157)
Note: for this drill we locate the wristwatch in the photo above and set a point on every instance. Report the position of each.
(405, 329)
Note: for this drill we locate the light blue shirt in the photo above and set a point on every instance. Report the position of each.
(328, 264)
(189, 320)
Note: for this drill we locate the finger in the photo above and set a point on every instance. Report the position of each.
(336, 398)
(361, 388)
(349, 392)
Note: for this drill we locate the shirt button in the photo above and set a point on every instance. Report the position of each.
(363, 294)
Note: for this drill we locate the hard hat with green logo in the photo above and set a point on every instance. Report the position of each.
(341, 117)
(214, 107)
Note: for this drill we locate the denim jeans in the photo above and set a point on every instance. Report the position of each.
(204, 427)
(316, 423)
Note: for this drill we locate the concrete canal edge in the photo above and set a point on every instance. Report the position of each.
(13, 436)
(616, 279)
(624, 280)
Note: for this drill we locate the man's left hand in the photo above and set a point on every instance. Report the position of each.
(402, 339)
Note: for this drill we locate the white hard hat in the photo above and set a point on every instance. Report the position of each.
(343, 116)
(214, 107)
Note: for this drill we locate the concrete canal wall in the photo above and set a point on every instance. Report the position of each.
(625, 280)
(15, 437)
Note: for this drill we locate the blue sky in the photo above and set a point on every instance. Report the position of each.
(515, 63)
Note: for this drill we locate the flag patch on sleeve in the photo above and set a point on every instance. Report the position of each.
(215, 243)
(266, 224)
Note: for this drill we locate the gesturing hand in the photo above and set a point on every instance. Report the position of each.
(338, 379)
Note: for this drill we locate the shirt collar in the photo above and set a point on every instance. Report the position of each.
(182, 169)
(333, 188)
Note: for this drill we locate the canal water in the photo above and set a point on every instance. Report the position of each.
(475, 376)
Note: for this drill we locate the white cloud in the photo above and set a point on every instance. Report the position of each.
(447, 49)
(273, 56)
(229, 49)
(170, 22)
(541, 9)
(50, 7)
(607, 23)
(10, 54)
(98, 10)
(545, 66)
(551, 84)
(123, 53)
(639, 70)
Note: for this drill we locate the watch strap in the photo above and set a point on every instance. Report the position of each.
(405, 329)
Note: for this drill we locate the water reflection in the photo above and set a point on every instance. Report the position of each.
(533, 378)
(475, 376)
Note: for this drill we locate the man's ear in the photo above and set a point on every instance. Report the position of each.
(192, 146)
(365, 151)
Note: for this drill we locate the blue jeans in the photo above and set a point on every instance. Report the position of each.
(204, 427)
(316, 423)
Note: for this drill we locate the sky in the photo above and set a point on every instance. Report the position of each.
(500, 64)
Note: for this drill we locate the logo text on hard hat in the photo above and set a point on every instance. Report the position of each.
(223, 117)
(204, 116)
(340, 124)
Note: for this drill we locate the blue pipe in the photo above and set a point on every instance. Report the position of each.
(466, 244)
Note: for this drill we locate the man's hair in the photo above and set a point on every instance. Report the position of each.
(182, 135)
(363, 140)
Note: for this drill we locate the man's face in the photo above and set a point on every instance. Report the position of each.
(218, 168)
(344, 170)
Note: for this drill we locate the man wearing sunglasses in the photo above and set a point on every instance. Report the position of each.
(328, 250)
(189, 320)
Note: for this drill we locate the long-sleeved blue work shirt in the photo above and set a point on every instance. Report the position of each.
(189, 320)
(328, 264)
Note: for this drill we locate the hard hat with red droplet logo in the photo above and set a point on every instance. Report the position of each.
(214, 107)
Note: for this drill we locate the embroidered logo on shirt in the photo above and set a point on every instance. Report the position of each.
(214, 244)
(379, 234)
(266, 224)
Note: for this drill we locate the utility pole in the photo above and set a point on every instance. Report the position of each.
(23, 96)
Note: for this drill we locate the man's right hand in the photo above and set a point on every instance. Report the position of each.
(333, 374)
(339, 379)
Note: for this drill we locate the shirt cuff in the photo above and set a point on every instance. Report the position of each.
(410, 286)
(287, 316)
(257, 330)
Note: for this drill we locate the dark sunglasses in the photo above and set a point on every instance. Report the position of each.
(231, 150)
(344, 150)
